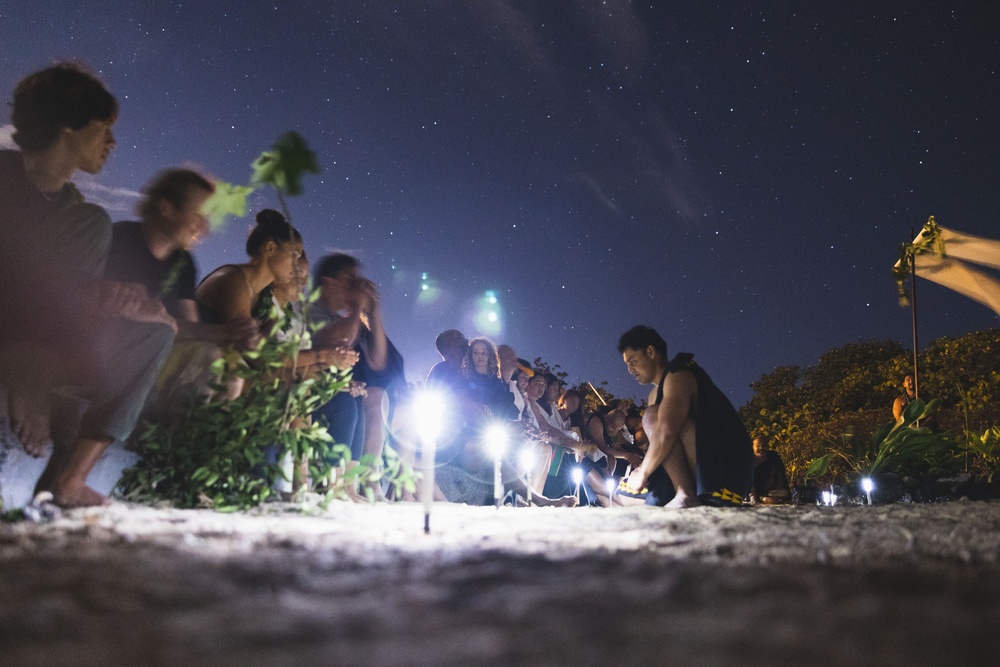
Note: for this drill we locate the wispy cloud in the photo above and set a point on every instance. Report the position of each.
(599, 195)
(118, 200)
(6, 137)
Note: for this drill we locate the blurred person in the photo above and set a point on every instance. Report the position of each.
(447, 373)
(62, 324)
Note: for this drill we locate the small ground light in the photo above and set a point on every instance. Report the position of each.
(610, 484)
(577, 479)
(428, 407)
(527, 461)
(867, 485)
(496, 439)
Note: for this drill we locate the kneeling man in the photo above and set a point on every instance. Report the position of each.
(699, 451)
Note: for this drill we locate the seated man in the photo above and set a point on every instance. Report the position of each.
(904, 399)
(153, 255)
(699, 450)
(60, 327)
(770, 484)
(446, 375)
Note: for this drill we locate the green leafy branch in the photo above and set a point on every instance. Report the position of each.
(281, 167)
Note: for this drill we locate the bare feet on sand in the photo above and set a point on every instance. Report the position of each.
(77, 495)
(683, 501)
(29, 420)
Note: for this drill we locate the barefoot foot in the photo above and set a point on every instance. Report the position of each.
(29, 421)
(69, 496)
(683, 501)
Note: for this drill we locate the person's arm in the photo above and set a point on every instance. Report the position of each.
(671, 414)
(379, 351)
(595, 432)
(897, 408)
(130, 301)
(238, 332)
(339, 332)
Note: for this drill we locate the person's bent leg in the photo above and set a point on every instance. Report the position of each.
(681, 466)
(131, 355)
(29, 372)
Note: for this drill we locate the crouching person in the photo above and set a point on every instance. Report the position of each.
(150, 260)
(60, 327)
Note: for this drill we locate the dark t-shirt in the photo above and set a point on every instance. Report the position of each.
(130, 261)
(52, 253)
(445, 377)
(769, 475)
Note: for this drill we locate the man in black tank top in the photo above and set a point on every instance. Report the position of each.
(699, 451)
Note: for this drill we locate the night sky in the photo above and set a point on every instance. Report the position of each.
(739, 178)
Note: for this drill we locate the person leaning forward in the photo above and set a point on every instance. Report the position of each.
(59, 326)
(699, 451)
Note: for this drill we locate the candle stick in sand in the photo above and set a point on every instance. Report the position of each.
(428, 407)
(496, 437)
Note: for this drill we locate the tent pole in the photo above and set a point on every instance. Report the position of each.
(913, 313)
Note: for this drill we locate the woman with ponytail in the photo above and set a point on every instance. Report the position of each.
(228, 294)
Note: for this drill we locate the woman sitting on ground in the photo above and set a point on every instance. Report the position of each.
(280, 310)
(230, 292)
(483, 395)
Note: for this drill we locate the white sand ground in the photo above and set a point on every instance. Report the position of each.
(362, 585)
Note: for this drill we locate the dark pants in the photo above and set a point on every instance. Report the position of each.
(345, 422)
(129, 356)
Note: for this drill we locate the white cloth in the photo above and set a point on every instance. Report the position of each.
(953, 270)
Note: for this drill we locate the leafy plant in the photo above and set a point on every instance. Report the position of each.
(228, 199)
(216, 456)
(284, 165)
(986, 448)
(897, 446)
(281, 167)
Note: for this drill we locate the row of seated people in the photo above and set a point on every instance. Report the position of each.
(103, 309)
(114, 314)
(548, 433)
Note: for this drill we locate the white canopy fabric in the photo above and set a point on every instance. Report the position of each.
(954, 271)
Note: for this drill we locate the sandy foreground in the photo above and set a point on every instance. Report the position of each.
(898, 584)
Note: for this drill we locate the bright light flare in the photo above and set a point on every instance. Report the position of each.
(867, 485)
(578, 476)
(428, 409)
(526, 459)
(496, 440)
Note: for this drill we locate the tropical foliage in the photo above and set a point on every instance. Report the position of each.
(901, 446)
(851, 391)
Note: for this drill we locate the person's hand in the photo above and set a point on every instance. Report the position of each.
(338, 357)
(242, 333)
(370, 296)
(637, 480)
(634, 459)
(357, 389)
(130, 301)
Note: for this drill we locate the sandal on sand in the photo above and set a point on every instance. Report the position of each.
(629, 492)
